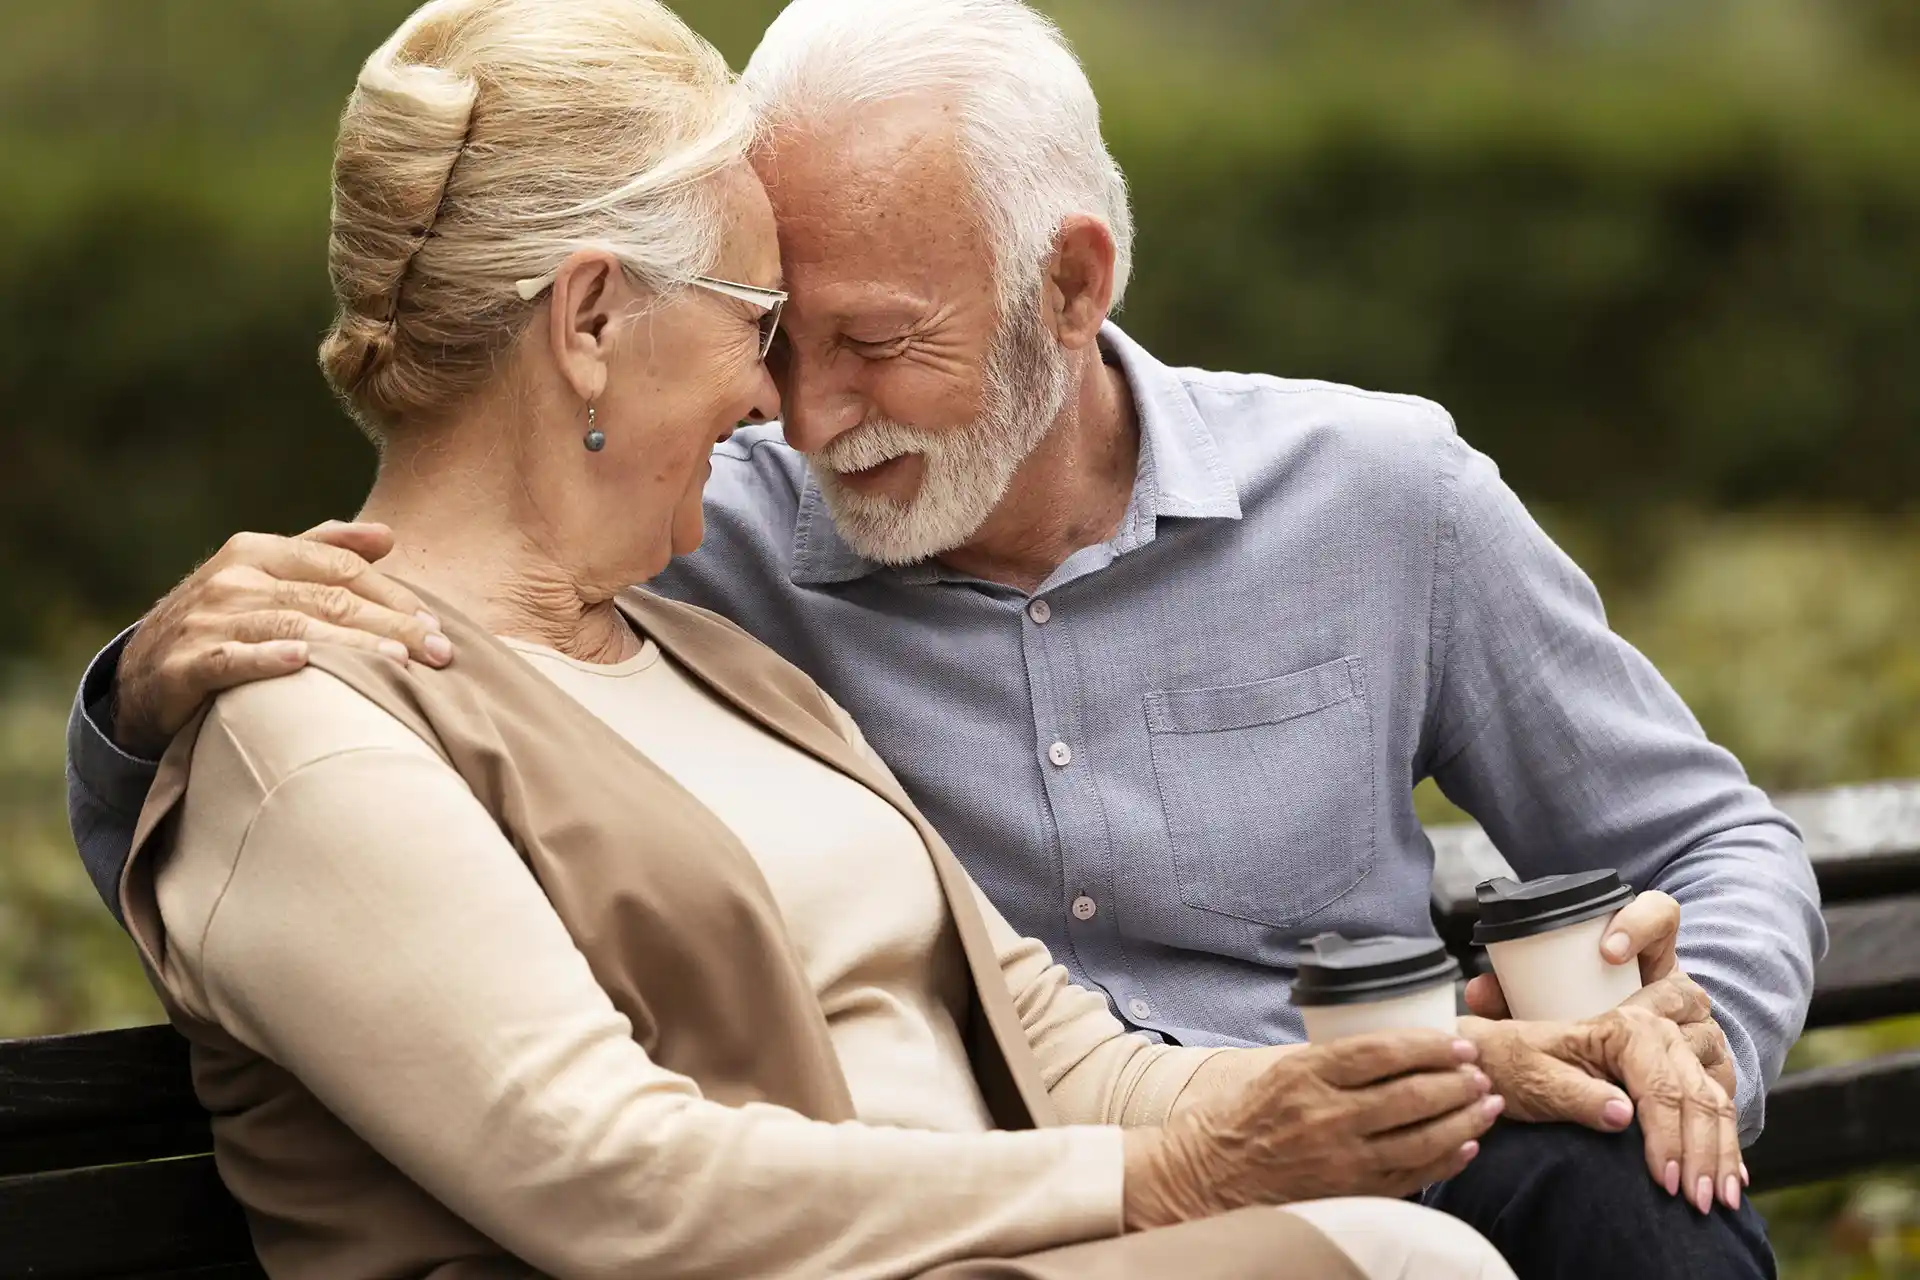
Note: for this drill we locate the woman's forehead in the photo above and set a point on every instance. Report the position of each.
(750, 248)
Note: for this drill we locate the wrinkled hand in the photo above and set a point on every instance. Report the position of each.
(1373, 1115)
(1552, 1071)
(1647, 928)
(249, 613)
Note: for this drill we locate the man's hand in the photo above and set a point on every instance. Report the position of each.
(1649, 928)
(1373, 1115)
(1566, 1072)
(248, 614)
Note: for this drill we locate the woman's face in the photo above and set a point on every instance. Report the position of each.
(679, 374)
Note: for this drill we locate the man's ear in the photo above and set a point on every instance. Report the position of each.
(1079, 284)
(580, 321)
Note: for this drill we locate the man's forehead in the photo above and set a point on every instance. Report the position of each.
(873, 204)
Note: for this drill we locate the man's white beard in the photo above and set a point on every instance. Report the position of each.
(967, 469)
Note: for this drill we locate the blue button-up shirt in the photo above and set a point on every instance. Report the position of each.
(1196, 744)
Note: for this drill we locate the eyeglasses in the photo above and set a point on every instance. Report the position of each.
(770, 301)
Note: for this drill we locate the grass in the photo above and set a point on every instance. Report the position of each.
(1793, 638)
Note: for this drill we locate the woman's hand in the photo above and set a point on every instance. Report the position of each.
(1374, 1115)
(1551, 1071)
(1647, 928)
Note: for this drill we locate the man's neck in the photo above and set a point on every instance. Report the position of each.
(1071, 492)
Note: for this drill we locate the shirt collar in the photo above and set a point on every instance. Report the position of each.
(1180, 474)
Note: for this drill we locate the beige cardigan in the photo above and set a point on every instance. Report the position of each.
(646, 882)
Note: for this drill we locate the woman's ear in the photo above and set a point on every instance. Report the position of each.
(1079, 286)
(580, 320)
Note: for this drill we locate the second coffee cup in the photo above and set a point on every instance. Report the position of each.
(1544, 939)
(1347, 988)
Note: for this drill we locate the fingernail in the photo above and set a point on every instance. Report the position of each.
(1733, 1192)
(1745, 1181)
(438, 647)
(1617, 946)
(433, 623)
(1465, 1050)
(1493, 1105)
(1468, 1150)
(394, 649)
(1703, 1194)
(1673, 1177)
(1618, 1113)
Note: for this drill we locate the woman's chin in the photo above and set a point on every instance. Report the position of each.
(686, 542)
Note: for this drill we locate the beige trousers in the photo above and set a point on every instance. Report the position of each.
(1347, 1239)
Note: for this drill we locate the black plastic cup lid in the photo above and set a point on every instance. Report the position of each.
(1511, 909)
(1333, 970)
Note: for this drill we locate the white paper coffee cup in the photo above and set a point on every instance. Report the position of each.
(1543, 937)
(1349, 988)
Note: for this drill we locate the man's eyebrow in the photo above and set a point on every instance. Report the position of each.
(893, 309)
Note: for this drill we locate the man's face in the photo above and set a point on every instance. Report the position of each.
(913, 399)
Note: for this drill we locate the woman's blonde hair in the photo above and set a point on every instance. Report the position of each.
(484, 142)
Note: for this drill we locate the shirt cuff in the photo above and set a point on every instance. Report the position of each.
(109, 774)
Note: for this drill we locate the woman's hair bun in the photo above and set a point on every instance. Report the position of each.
(484, 142)
(401, 135)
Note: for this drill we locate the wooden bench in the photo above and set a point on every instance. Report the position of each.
(105, 1168)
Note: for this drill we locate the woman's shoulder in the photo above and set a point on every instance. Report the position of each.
(307, 735)
(284, 725)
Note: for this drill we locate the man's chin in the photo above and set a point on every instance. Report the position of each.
(889, 532)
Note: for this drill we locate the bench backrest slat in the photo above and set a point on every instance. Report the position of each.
(1864, 842)
(1831, 1121)
(71, 1101)
(132, 1220)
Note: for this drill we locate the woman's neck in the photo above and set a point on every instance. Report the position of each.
(460, 537)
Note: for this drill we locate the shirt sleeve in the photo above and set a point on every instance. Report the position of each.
(105, 786)
(1573, 752)
(377, 936)
(1095, 1070)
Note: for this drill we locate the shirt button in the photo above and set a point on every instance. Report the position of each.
(1040, 611)
(1139, 1009)
(1084, 907)
(1061, 754)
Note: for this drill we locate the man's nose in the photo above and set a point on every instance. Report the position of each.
(820, 406)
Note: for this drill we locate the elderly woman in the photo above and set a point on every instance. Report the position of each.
(611, 949)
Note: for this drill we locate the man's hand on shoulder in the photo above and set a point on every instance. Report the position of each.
(249, 613)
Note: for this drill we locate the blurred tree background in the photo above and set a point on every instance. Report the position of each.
(1661, 260)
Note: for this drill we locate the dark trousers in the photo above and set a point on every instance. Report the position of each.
(1561, 1202)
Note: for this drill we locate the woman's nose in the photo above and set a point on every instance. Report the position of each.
(765, 406)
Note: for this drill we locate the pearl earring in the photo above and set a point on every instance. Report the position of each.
(596, 438)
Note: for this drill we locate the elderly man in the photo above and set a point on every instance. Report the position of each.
(1162, 652)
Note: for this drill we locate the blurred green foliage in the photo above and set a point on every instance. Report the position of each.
(1645, 257)
(1661, 260)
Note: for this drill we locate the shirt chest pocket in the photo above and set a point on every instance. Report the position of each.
(1268, 791)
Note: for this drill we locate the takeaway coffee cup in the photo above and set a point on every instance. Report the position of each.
(1544, 939)
(1374, 984)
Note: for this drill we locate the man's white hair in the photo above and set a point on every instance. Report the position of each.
(1030, 127)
